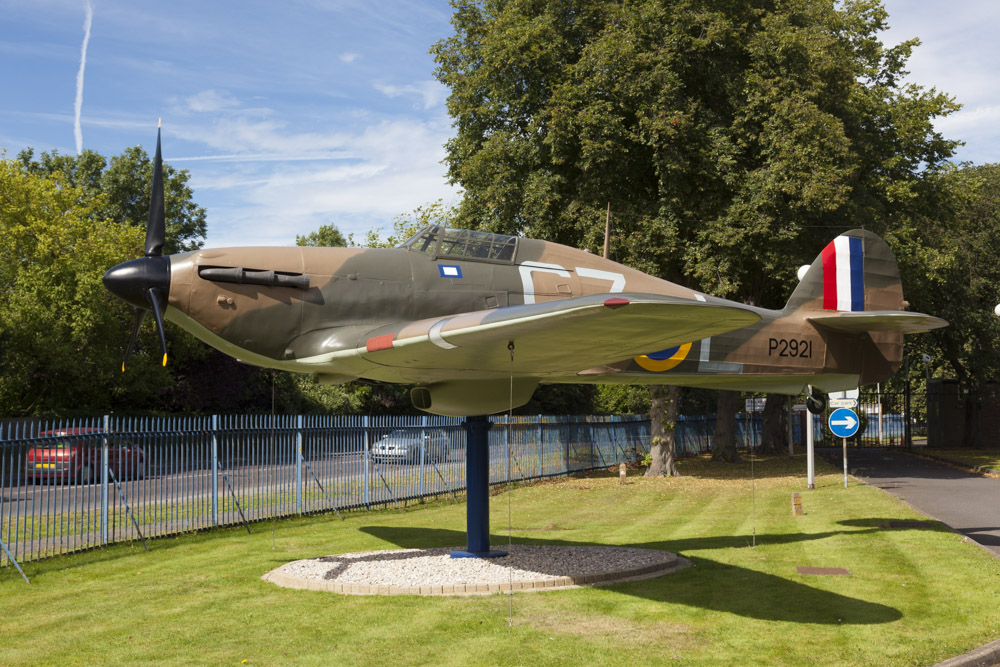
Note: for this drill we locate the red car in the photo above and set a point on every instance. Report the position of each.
(74, 455)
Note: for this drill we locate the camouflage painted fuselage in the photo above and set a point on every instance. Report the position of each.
(397, 315)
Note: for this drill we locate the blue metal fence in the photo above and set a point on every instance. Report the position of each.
(71, 485)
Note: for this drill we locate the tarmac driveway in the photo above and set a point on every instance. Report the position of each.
(968, 503)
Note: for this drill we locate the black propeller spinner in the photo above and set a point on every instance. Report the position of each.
(144, 283)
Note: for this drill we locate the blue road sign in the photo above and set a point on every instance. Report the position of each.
(844, 422)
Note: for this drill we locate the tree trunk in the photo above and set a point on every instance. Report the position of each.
(664, 406)
(724, 448)
(775, 431)
(972, 436)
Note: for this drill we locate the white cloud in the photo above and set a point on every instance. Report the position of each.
(389, 168)
(211, 101)
(349, 57)
(956, 56)
(78, 102)
(431, 92)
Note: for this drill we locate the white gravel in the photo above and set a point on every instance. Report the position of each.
(406, 570)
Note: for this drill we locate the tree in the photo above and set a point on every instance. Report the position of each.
(406, 225)
(729, 138)
(774, 436)
(125, 181)
(663, 427)
(948, 261)
(327, 236)
(61, 333)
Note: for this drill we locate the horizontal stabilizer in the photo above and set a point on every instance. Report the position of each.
(879, 320)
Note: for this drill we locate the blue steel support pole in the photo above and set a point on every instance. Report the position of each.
(477, 472)
(215, 470)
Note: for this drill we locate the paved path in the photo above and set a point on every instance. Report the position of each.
(966, 502)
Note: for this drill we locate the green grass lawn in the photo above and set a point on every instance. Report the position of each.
(915, 595)
(985, 458)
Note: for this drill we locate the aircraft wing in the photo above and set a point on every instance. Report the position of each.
(550, 337)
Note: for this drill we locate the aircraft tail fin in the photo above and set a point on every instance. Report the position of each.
(854, 285)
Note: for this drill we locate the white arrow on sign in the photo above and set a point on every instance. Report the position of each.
(848, 421)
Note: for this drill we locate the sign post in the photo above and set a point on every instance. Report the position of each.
(843, 424)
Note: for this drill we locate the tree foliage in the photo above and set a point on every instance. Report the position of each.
(406, 225)
(728, 137)
(948, 260)
(731, 140)
(124, 183)
(327, 236)
(60, 331)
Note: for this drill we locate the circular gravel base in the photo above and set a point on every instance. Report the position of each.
(435, 572)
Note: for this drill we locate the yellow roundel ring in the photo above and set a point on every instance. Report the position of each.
(664, 360)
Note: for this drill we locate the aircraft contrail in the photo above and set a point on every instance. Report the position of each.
(77, 132)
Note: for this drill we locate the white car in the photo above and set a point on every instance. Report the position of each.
(403, 445)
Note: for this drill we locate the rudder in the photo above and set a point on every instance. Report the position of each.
(855, 272)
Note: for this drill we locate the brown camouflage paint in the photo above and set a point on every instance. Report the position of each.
(364, 306)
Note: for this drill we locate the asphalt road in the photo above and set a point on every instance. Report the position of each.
(968, 503)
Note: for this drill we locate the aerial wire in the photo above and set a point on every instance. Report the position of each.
(510, 565)
(753, 479)
(272, 449)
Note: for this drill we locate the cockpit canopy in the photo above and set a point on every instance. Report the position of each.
(439, 241)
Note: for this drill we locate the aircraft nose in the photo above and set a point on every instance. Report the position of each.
(132, 280)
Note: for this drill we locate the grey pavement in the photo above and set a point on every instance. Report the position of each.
(966, 502)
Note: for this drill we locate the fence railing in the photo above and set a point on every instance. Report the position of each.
(72, 485)
(76, 484)
(881, 426)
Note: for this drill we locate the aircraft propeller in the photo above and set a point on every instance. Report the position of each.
(144, 283)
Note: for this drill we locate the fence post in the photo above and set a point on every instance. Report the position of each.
(215, 470)
(541, 449)
(565, 436)
(423, 453)
(104, 482)
(591, 428)
(298, 465)
(506, 450)
(365, 423)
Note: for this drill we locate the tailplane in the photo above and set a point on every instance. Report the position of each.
(854, 286)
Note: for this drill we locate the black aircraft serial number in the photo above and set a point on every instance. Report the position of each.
(789, 347)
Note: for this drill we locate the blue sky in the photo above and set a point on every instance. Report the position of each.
(294, 114)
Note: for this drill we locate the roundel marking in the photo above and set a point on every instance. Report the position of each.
(664, 360)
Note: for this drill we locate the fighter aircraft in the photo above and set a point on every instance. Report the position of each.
(477, 320)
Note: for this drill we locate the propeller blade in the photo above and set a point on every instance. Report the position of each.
(156, 225)
(153, 294)
(140, 315)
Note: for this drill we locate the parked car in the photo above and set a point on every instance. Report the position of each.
(74, 455)
(403, 445)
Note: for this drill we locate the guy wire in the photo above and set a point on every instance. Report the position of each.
(510, 566)
(273, 519)
(753, 479)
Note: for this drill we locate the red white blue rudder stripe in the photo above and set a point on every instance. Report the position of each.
(844, 275)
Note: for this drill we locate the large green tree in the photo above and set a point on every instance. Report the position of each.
(948, 259)
(125, 181)
(731, 140)
(327, 236)
(61, 333)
